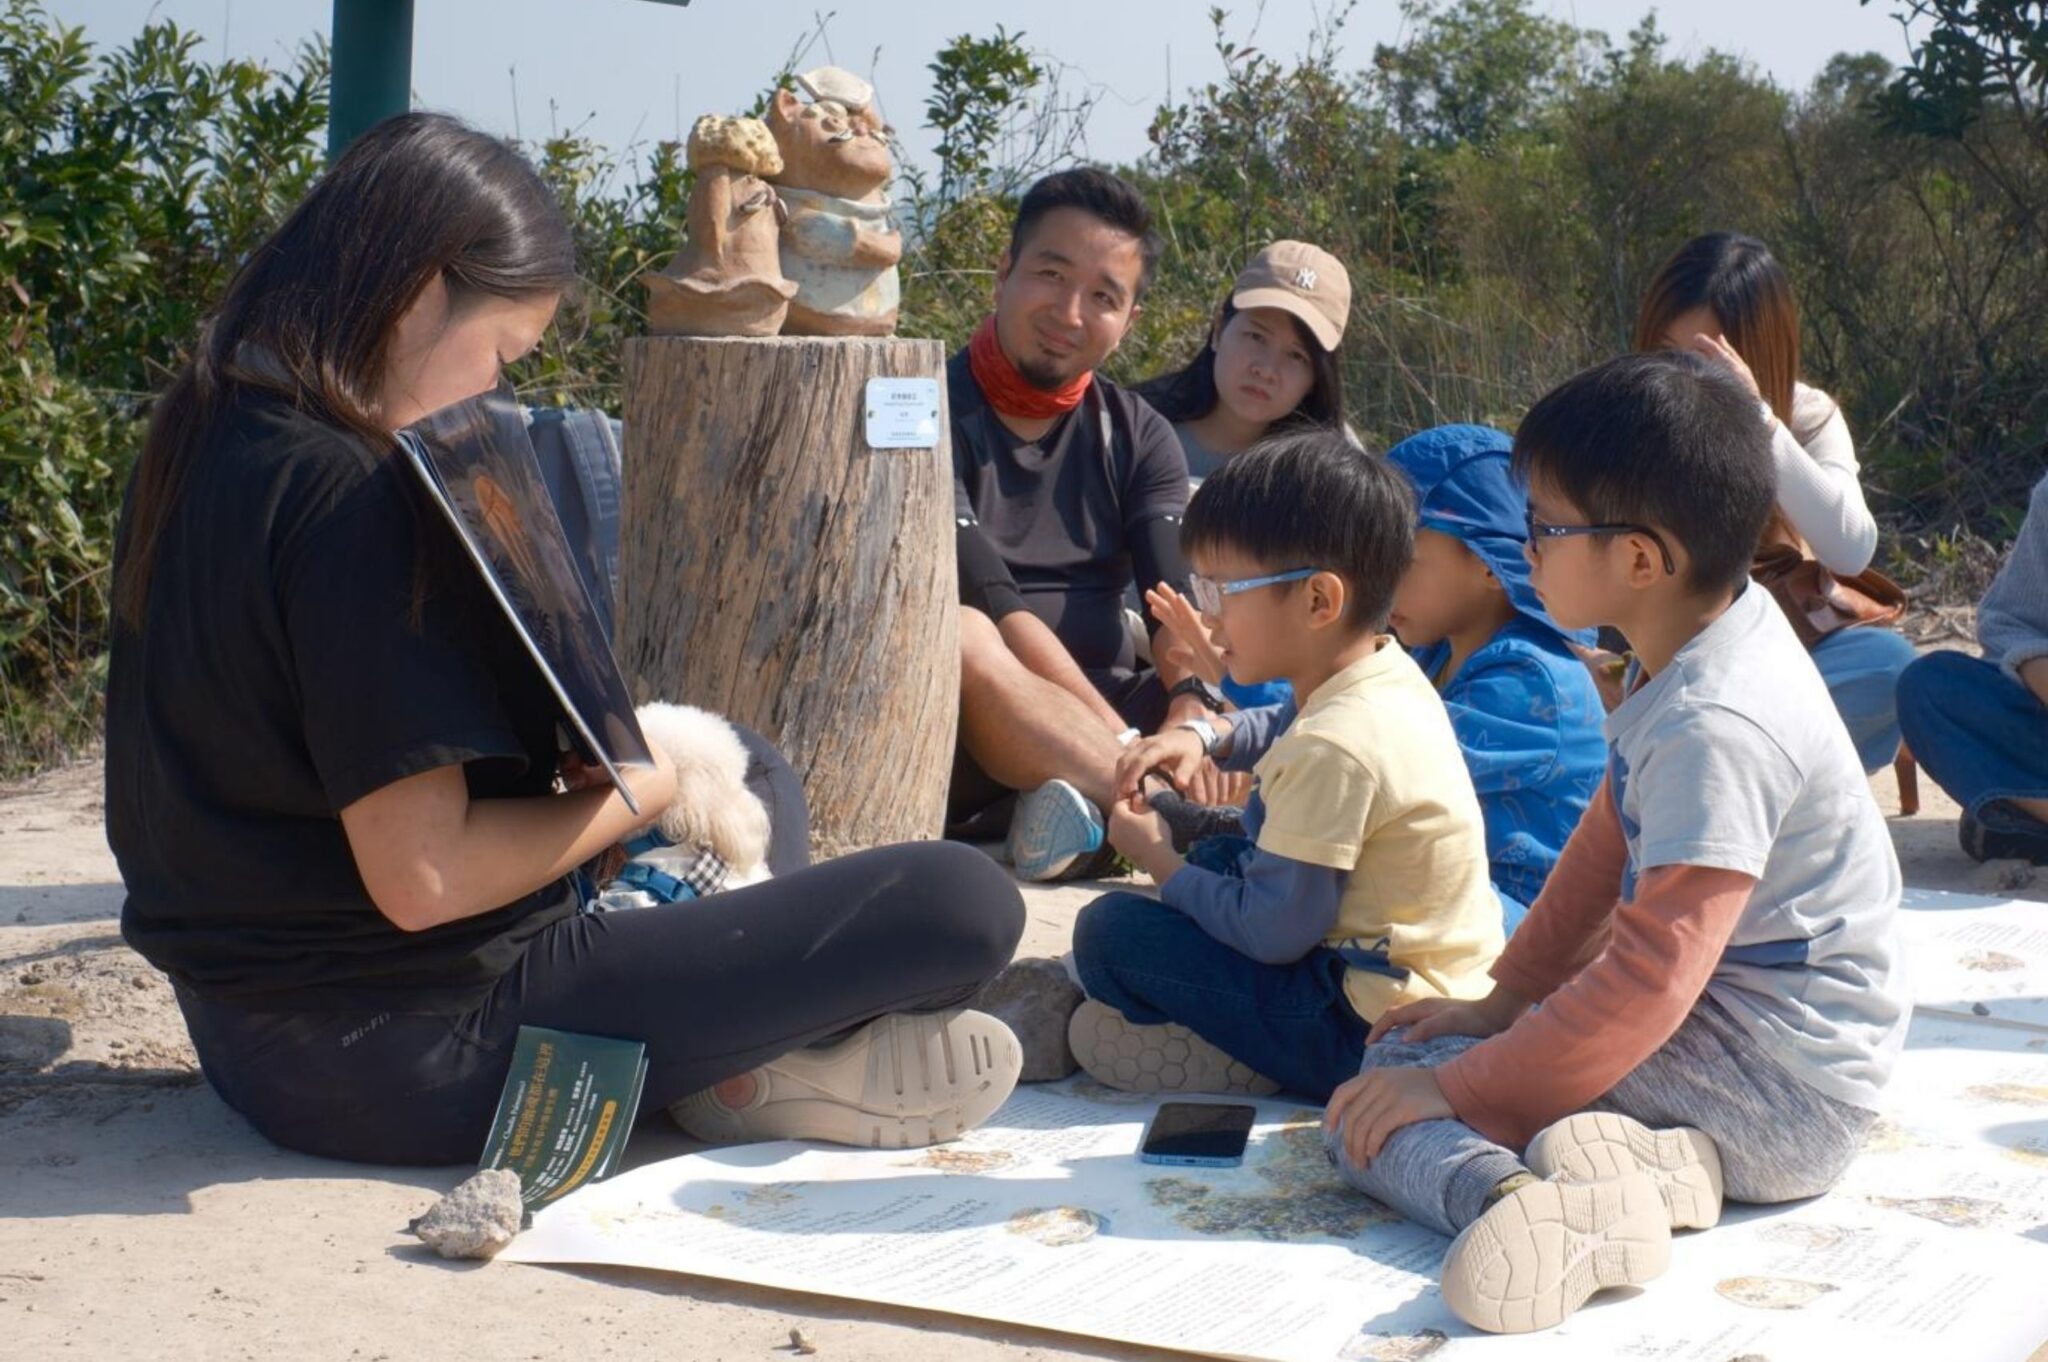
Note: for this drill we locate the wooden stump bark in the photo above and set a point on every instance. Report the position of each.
(776, 570)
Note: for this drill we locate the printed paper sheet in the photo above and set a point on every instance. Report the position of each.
(1935, 1245)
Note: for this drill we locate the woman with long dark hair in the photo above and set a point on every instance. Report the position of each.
(332, 772)
(1725, 296)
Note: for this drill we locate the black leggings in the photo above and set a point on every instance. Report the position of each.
(713, 987)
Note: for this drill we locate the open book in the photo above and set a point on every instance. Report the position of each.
(479, 466)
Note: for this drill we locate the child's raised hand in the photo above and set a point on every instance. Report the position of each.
(1184, 622)
(1371, 1107)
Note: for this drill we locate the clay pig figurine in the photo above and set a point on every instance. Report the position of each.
(727, 279)
(839, 242)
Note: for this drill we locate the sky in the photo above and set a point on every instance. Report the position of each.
(627, 72)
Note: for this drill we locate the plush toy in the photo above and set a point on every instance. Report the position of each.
(715, 835)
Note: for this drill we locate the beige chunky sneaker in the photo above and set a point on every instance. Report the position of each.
(902, 1081)
(1165, 1058)
(1595, 1145)
(1541, 1250)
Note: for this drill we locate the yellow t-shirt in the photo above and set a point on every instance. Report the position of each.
(1368, 779)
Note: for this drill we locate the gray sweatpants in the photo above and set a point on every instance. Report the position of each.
(1779, 1139)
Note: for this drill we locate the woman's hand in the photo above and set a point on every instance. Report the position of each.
(1184, 622)
(1372, 1106)
(1718, 349)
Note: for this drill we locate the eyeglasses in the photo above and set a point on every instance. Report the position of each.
(1209, 593)
(1539, 531)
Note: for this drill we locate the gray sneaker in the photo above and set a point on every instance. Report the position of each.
(1540, 1251)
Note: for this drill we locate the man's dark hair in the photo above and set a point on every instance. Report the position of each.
(1099, 194)
(1311, 498)
(1670, 440)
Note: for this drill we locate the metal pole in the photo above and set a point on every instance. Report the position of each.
(372, 67)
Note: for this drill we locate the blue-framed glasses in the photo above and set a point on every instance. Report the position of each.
(1209, 593)
(1540, 531)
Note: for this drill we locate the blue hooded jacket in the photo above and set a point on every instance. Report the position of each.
(1526, 712)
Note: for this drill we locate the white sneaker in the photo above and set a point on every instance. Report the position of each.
(1595, 1145)
(902, 1081)
(1053, 827)
(1163, 1058)
(1542, 1249)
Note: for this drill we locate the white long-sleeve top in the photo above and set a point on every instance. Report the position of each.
(1817, 484)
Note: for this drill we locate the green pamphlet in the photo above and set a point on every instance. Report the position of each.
(567, 1108)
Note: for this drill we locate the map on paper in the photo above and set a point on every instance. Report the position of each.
(1935, 1244)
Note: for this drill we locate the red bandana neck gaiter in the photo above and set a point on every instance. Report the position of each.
(1007, 391)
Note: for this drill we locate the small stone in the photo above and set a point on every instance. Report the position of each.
(1036, 999)
(800, 1342)
(476, 1219)
(1980, 1009)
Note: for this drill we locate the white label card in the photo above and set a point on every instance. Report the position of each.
(903, 413)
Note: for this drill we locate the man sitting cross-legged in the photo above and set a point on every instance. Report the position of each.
(1068, 492)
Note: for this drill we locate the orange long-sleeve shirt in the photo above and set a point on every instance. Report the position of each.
(1615, 980)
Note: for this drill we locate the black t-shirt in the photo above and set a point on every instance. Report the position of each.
(1078, 516)
(278, 677)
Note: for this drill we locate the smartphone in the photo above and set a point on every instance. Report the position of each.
(1198, 1134)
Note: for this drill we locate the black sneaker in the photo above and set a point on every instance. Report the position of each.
(1999, 832)
(1187, 822)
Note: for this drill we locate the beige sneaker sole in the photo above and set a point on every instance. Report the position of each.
(1595, 1145)
(1540, 1251)
(903, 1081)
(1168, 1058)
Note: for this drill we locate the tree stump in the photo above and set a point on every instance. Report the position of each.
(776, 570)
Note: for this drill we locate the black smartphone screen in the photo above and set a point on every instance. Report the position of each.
(1199, 1130)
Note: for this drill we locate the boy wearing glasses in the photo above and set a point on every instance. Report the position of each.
(1715, 954)
(1363, 884)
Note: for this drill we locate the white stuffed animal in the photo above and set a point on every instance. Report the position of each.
(714, 836)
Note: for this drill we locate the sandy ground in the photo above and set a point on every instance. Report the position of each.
(139, 1218)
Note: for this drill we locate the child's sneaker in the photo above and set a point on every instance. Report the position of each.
(1164, 1058)
(1596, 1145)
(1542, 1249)
(902, 1081)
(1053, 828)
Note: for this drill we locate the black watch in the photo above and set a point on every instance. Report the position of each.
(1210, 697)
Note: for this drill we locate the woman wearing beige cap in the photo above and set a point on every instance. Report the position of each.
(1270, 358)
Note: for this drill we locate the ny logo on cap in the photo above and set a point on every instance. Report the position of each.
(1305, 279)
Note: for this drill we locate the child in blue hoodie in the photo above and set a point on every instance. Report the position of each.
(1525, 709)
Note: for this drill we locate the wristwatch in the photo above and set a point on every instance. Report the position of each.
(1211, 698)
(1210, 737)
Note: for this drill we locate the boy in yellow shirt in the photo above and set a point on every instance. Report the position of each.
(1363, 881)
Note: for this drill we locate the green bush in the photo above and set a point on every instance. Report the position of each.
(1500, 184)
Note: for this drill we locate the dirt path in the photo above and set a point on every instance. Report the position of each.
(140, 1218)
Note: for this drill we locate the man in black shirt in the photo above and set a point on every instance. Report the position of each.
(1068, 492)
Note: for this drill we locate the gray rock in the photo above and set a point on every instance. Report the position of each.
(1035, 999)
(476, 1219)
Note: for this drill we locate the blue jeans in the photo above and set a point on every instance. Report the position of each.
(1861, 668)
(1981, 735)
(1152, 963)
